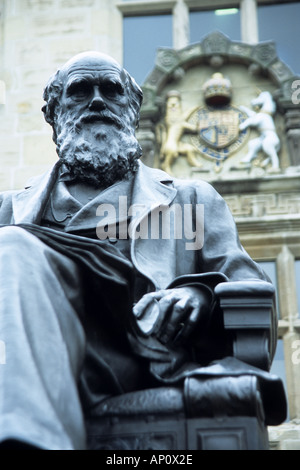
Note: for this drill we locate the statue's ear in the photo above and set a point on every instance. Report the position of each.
(51, 95)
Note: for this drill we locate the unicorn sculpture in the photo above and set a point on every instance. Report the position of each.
(268, 141)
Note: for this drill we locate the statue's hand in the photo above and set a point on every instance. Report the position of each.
(172, 314)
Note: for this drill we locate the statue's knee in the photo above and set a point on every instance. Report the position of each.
(15, 237)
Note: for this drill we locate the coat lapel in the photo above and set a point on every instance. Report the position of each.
(152, 188)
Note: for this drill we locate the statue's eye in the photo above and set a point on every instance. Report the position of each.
(112, 88)
(79, 90)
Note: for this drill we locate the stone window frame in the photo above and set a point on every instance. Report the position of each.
(180, 10)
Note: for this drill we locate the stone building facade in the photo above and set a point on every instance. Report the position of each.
(37, 36)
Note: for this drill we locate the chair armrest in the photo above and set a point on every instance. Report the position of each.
(250, 319)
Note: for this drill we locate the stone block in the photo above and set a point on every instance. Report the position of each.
(30, 52)
(33, 80)
(8, 122)
(24, 107)
(15, 28)
(2, 92)
(290, 444)
(26, 102)
(10, 151)
(106, 22)
(100, 22)
(5, 180)
(34, 5)
(29, 122)
(59, 25)
(60, 51)
(76, 3)
(10, 77)
(39, 149)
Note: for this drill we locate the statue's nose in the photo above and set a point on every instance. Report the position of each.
(97, 102)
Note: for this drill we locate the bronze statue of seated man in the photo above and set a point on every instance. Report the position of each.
(108, 270)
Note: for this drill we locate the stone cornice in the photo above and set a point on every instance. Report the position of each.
(280, 183)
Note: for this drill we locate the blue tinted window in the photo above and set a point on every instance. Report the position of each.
(270, 269)
(143, 35)
(278, 366)
(204, 22)
(280, 23)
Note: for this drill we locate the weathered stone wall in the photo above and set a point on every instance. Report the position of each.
(37, 36)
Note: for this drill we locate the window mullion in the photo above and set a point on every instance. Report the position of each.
(249, 22)
(181, 25)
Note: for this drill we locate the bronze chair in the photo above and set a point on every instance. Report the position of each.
(227, 404)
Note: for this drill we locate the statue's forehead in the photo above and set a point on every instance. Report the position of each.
(93, 66)
(93, 70)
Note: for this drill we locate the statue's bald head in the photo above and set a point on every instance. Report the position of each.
(91, 61)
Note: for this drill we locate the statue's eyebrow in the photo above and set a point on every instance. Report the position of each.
(107, 76)
(112, 79)
(76, 80)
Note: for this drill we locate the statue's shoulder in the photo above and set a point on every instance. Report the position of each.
(8, 194)
(179, 183)
(35, 180)
(6, 205)
(198, 187)
(154, 173)
(195, 188)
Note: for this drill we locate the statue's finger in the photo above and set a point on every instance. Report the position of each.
(142, 305)
(178, 312)
(188, 326)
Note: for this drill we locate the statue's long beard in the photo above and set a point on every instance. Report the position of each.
(98, 152)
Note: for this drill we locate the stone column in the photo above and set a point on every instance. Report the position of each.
(288, 309)
(249, 23)
(292, 122)
(181, 25)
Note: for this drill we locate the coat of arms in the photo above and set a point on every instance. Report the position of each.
(218, 121)
(219, 131)
(214, 129)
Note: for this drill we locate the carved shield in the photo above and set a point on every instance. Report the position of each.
(219, 134)
(219, 128)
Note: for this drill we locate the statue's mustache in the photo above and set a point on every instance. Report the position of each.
(101, 116)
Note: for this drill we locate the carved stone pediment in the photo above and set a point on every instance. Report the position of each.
(248, 134)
